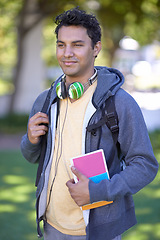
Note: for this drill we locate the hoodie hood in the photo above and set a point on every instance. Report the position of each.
(109, 80)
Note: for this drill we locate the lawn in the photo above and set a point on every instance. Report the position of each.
(17, 197)
(147, 204)
(17, 200)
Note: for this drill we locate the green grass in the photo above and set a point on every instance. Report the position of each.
(17, 200)
(147, 204)
(17, 197)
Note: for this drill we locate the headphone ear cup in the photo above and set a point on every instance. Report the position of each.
(75, 90)
(61, 90)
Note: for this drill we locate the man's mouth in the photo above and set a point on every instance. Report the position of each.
(69, 62)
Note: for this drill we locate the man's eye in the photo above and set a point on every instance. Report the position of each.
(60, 45)
(78, 45)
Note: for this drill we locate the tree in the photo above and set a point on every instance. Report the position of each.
(8, 13)
(29, 73)
(138, 19)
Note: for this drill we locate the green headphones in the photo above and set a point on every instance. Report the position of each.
(75, 89)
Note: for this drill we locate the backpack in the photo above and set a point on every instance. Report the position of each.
(109, 117)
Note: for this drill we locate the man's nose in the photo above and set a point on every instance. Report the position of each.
(68, 52)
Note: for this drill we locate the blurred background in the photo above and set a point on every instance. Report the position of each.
(28, 65)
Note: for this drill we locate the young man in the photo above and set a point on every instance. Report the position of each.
(69, 113)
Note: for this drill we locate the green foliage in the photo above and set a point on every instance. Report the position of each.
(8, 20)
(13, 123)
(49, 47)
(120, 18)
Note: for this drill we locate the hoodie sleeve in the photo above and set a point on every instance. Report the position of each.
(141, 165)
(31, 152)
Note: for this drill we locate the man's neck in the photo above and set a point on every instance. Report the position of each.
(82, 79)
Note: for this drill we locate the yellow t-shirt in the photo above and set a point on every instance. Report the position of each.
(63, 213)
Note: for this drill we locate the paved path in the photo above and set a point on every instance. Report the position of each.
(10, 141)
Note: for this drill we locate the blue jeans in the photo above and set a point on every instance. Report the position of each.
(50, 233)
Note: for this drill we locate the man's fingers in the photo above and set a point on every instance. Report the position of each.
(37, 127)
(39, 118)
(37, 130)
(79, 191)
(70, 183)
(39, 114)
(37, 133)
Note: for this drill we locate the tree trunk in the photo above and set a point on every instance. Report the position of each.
(29, 71)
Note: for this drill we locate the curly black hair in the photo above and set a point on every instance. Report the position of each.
(77, 17)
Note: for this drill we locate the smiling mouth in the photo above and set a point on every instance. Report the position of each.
(68, 63)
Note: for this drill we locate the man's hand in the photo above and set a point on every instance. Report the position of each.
(79, 191)
(37, 127)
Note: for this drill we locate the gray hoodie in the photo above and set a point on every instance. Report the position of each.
(111, 220)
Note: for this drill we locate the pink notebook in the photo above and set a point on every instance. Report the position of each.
(93, 166)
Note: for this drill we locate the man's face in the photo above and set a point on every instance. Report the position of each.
(75, 53)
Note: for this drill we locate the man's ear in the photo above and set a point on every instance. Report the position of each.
(97, 48)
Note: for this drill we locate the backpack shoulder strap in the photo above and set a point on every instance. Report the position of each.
(112, 118)
(109, 117)
(47, 100)
(43, 139)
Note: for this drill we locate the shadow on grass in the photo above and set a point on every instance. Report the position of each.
(17, 197)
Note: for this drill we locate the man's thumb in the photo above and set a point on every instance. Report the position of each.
(76, 172)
